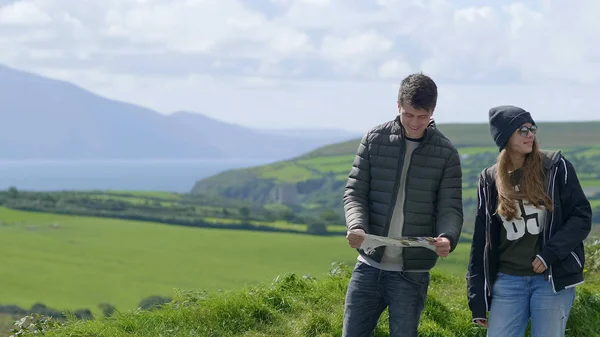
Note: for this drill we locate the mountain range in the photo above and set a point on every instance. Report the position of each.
(45, 118)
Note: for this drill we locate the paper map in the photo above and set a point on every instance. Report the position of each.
(373, 241)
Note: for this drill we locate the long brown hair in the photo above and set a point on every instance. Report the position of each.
(531, 183)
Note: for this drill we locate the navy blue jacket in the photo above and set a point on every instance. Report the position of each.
(566, 228)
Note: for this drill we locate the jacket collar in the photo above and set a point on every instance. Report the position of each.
(550, 158)
(429, 131)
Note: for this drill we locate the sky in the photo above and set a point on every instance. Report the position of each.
(314, 63)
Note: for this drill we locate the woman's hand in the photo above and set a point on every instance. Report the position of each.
(538, 265)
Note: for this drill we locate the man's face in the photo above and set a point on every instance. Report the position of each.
(413, 120)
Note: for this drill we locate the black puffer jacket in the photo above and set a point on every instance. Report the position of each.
(433, 196)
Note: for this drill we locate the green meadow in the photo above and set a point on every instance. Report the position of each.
(72, 262)
(147, 194)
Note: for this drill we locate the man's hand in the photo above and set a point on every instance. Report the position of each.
(442, 246)
(538, 266)
(482, 322)
(354, 239)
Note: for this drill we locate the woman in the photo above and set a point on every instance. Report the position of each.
(527, 251)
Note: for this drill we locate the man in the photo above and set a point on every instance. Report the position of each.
(405, 181)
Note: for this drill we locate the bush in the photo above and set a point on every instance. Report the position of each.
(317, 228)
(34, 324)
(592, 257)
(107, 309)
(153, 302)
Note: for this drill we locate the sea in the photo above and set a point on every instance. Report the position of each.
(139, 175)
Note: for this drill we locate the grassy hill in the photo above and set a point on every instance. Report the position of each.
(309, 307)
(552, 135)
(313, 184)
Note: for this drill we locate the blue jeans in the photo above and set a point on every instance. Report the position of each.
(371, 290)
(516, 299)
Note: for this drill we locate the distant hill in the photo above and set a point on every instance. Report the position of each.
(44, 118)
(314, 182)
(551, 135)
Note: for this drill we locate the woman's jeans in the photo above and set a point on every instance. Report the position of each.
(516, 299)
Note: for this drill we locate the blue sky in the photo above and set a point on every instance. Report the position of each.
(314, 63)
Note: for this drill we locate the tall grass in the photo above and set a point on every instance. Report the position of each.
(303, 306)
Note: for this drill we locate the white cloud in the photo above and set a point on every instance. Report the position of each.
(334, 16)
(316, 2)
(23, 13)
(394, 69)
(471, 15)
(28, 37)
(202, 27)
(555, 43)
(471, 46)
(293, 55)
(360, 46)
(46, 53)
(350, 105)
(290, 42)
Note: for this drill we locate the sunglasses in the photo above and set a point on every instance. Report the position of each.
(524, 130)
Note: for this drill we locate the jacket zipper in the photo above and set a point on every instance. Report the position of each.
(550, 191)
(549, 213)
(487, 247)
(577, 259)
(551, 223)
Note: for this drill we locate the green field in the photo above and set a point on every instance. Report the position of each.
(147, 194)
(306, 168)
(85, 261)
(286, 173)
(477, 149)
(590, 183)
(71, 262)
(129, 199)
